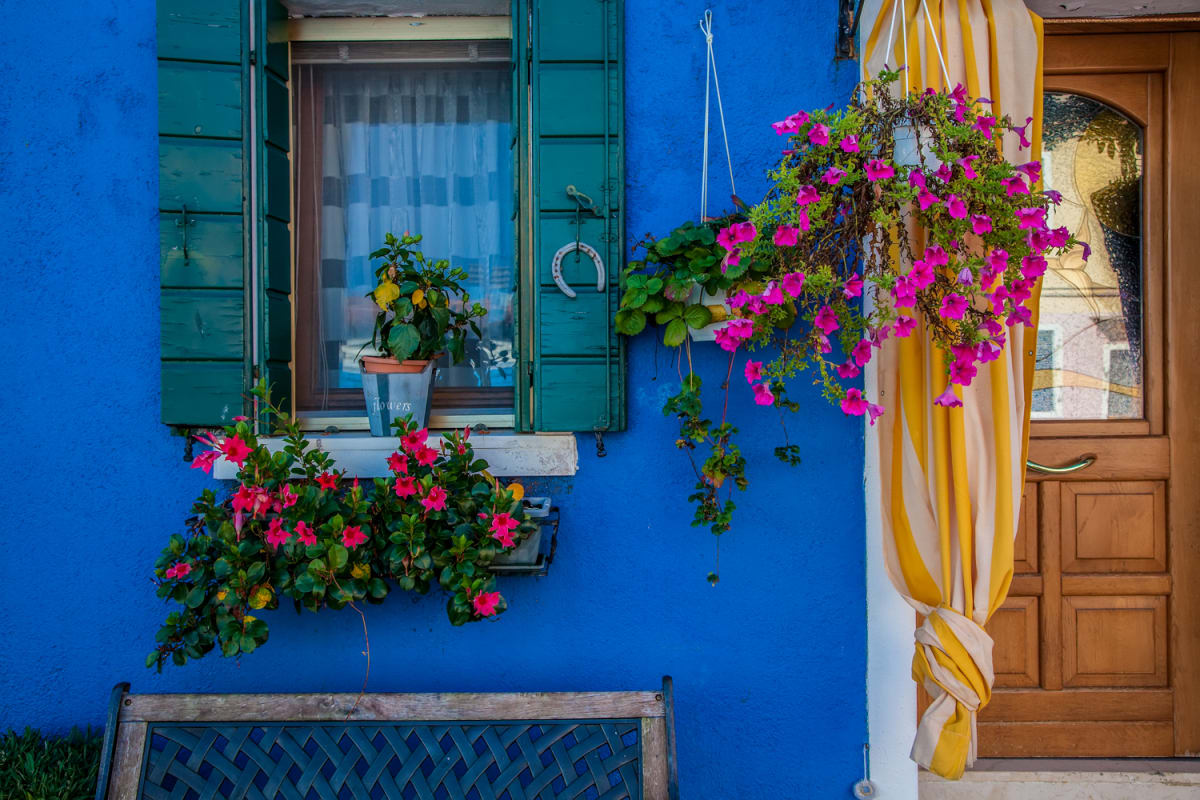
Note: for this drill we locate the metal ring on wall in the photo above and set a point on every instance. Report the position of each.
(587, 250)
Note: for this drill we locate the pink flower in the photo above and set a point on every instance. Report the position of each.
(1059, 237)
(904, 326)
(981, 224)
(1032, 218)
(1053, 196)
(790, 124)
(847, 370)
(241, 418)
(948, 399)
(988, 351)
(802, 220)
(1019, 314)
(235, 450)
(774, 295)
(997, 261)
(179, 569)
(411, 441)
(833, 176)
(353, 536)
(287, 497)
(406, 486)
(965, 162)
(926, 198)
(502, 527)
(936, 256)
(753, 371)
(734, 333)
(485, 603)
(962, 372)
(1014, 185)
(807, 195)
(904, 292)
(434, 500)
(305, 533)
(826, 320)
(921, 274)
(955, 207)
(327, 480)
(874, 411)
(205, 460)
(984, 125)
(763, 395)
(944, 174)
(823, 343)
(1032, 169)
(426, 456)
(1033, 267)
(916, 179)
(953, 306)
(277, 534)
(1087, 250)
(819, 134)
(965, 278)
(853, 287)
(787, 235)
(849, 144)
(739, 299)
(861, 352)
(853, 403)
(793, 283)
(878, 170)
(398, 462)
(1020, 131)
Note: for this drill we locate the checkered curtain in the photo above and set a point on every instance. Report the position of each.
(426, 150)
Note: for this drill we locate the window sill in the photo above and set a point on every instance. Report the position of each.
(508, 454)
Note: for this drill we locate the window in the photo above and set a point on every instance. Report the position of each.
(403, 136)
(276, 179)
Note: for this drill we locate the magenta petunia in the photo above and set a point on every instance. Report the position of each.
(853, 287)
(948, 399)
(968, 171)
(818, 134)
(826, 320)
(854, 403)
(926, 198)
(1014, 185)
(847, 370)
(763, 394)
(955, 207)
(916, 179)
(861, 352)
(793, 283)
(753, 371)
(953, 306)
(833, 176)
(965, 278)
(981, 224)
(1031, 218)
(878, 170)
(904, 326)
(787, 236)
(807, 195)
(849, 144)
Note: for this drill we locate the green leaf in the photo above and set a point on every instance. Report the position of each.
(654, 285)
(256, 572)
(697, 316)
(634, 298)
(338, 556)
(221, 568)
(630, 321)
(403, 341)
(653, 305)
(195, 598)
(675, 333)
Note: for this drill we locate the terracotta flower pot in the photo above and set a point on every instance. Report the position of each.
(386, 365)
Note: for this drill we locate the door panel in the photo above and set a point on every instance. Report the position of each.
(1090, 661)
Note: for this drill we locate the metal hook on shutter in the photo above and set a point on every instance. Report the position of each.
(185, 223)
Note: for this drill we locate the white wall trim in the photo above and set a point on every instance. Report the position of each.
(891, 693)
(509, 455)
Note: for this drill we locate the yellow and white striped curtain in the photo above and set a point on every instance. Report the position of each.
(951, 478)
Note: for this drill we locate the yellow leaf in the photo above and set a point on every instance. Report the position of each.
(418, 297)
(360, 571)
(247, 619)
(518, 491)
(385, 293)
(262, 595)
(221, 595)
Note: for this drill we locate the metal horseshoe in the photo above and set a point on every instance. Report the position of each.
(587, 250)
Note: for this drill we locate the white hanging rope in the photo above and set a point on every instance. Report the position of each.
(891, 39)
(710, 79)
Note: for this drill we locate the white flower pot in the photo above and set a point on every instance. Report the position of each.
(905, 154)
(709, 332)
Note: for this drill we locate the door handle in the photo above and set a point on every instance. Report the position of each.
(1080, 463)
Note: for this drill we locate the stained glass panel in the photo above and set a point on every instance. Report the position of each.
(1089, 356)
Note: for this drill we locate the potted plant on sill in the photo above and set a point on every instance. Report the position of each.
(424, 312)
(833, 229)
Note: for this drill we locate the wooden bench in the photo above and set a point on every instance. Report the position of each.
(511, 746)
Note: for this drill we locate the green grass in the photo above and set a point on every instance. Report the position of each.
(33, 767)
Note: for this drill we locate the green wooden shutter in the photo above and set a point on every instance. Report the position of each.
(212, 300)
(572, 359)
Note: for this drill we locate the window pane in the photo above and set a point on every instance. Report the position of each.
(420, 148)
(1089, 357)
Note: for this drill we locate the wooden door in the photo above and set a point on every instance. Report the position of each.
(1097, 648)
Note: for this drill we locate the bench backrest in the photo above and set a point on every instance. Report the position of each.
(511, 745)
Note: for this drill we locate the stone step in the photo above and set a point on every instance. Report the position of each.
(1070, 779)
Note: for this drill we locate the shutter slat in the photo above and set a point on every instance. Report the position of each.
(576, 138)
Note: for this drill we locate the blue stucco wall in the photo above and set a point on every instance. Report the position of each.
(769, 666)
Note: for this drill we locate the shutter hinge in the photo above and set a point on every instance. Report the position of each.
(529, 371)
(253, 57)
